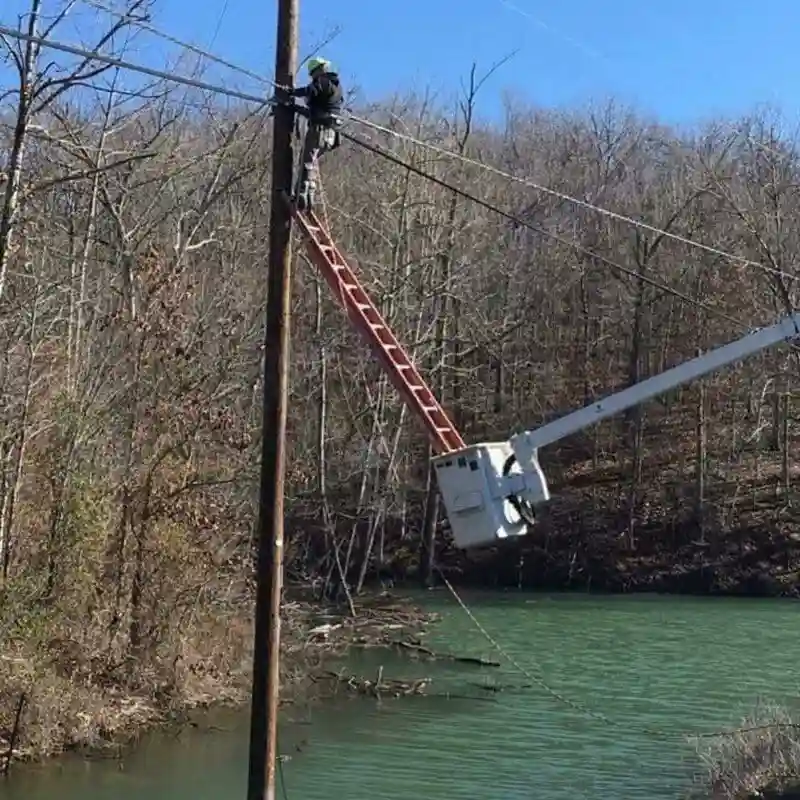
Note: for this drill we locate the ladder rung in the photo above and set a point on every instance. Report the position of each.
(353, 296)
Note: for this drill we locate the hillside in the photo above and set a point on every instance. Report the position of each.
(132, 285)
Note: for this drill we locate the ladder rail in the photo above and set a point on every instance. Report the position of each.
(368, 321)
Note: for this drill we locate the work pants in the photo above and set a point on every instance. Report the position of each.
(319, 139)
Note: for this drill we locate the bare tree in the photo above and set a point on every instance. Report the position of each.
(130, 354)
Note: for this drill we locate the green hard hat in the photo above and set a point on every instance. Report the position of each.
(315, 63)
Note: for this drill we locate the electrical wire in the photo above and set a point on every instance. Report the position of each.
(543, 231)
(218, 28)
(589, 51)
(82, 52)
(221, 90)
(781, 287)
(123, 64)
(568, 198)
(655, 732)
(139, 22)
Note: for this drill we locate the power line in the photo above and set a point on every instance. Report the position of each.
(582, 709)
(542, 24)
(569, 198)
(139, 22)
(542, 231)
(132, 67)
(218, 26)
(221, 90)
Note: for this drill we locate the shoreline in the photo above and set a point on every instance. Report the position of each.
(761, 562)
(680, 584)
(385, 619)
(112, 717)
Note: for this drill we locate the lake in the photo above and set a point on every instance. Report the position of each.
(678, 665)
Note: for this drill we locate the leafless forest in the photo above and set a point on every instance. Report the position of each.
(133, 231)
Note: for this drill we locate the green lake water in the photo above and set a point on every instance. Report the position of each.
(679, 665)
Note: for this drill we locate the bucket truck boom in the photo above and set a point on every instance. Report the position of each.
(490, 490)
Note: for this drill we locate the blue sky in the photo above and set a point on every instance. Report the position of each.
(684, 61)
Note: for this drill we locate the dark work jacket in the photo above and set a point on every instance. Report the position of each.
(323, 96)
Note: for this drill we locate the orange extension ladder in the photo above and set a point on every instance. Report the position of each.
(367, 320)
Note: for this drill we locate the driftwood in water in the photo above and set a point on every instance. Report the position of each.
(426, 651)
(380, 686)
(381, 626)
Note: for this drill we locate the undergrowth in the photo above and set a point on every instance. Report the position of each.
(761, 761)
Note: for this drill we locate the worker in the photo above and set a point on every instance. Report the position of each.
(324, 99)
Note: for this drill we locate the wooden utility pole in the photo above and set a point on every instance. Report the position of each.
(269, 574)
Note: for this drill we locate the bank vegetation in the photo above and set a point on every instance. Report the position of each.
(759, 762)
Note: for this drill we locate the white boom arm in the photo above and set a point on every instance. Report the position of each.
(489, 489)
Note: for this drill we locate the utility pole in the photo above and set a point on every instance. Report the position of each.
(269, 571)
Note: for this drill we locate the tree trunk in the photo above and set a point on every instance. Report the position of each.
(11, 201)
(701, 461)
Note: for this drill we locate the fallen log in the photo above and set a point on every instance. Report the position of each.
(419, 648)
